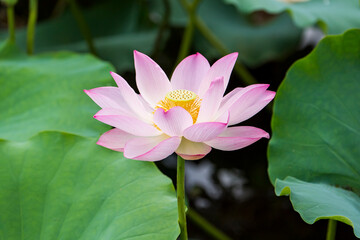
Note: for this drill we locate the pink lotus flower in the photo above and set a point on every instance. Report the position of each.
(187, 115)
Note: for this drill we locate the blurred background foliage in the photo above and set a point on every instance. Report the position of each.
(117, 27)
(230, 189)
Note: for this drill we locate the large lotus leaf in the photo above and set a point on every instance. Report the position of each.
(316, 128)
(116, 28)
(45, 92)
(61, 186)
(333, 16)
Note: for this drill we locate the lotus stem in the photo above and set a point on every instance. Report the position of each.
(84, 28)
(240, 69)
(181, 197)
(189, 30)
(163, 26)
(11, 23)
(331, 230)
(33, 9)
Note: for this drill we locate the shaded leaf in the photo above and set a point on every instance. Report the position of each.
(333, 16)
(9, 2)
(256, 43)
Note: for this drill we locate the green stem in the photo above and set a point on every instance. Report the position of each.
(11, 23)
(186, 41)
(33, 8)
(163, 26)
(84, 28)
(181, 196)
(240, 69)
(189, 30)
(331, 230)
(206, 226)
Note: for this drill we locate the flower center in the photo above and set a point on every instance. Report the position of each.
(182, 98)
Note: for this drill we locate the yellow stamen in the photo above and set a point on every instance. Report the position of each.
(182, 98)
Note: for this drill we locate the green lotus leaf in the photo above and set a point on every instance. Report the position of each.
(323, 201)
(316, 130)
(45, 92)
(61, 186)
(333, 16)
